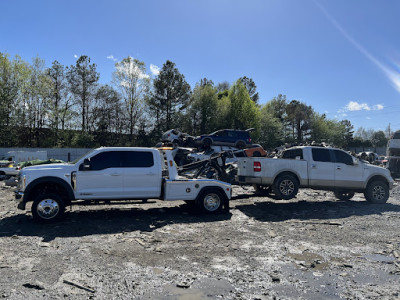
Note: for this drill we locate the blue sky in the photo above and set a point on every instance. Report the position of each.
(340, 56)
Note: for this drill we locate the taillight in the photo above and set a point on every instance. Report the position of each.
(249, 140)
(257, 166)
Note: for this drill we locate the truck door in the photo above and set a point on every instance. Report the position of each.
(102, 178)
(347, 174)
(321, 168)
(142, 174)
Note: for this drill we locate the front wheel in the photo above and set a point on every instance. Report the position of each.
(210, 202)
(47, 208)
(286, 187)
(344, 195)
(377, 192)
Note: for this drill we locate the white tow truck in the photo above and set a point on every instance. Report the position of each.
(317, 168)
(115, 173)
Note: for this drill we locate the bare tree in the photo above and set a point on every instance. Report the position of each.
(82, 79)
(133, 83)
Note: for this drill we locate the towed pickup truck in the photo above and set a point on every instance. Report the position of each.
(115, 173)
(317, 168)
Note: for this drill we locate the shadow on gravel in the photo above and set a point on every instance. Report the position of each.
(105, 221)
(306, 210)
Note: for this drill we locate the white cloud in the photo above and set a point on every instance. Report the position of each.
(154, 69)
(76, 56)
(355, 106)
(111, 57)
(378, 107)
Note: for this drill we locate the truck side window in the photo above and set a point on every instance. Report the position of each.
(138, 159)
(321, 155)
(105, 160)
(342, 157)
(293, 153)
(219, 133)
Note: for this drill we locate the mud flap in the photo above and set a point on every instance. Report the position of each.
(226, 205)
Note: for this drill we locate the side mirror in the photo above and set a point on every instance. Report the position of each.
(85, 166)
(355, 161)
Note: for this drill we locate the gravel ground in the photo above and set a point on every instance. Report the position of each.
(311, 247)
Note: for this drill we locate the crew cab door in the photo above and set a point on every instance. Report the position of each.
(321, 168)
(100, 177)
(142, 174)
(347, 174)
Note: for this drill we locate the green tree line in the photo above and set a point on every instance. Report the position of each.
(66, 106)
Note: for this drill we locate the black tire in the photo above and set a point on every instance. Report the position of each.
(261, 190)
(240, 145)
(211, 173)
(377, 192)
(47, 208)
(344, 195)
(210, 202)
(286, 187)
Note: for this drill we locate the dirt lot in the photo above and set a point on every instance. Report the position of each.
(311, 247)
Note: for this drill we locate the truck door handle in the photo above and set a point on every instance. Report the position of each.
(151, 174)
(314, 166)
(115, 174)
(338, 168)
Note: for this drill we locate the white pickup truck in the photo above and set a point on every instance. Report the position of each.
(111, 173)
(317, 168)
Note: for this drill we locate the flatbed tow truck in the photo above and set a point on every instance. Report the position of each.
(115, 173)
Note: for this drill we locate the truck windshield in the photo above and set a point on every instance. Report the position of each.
(80, 157)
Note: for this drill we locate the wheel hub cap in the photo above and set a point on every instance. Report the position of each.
(286, 187)
(212, 202)
(47, 208)
(378, 193)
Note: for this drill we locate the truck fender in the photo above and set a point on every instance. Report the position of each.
(375, 177)
(288, 172)
(219, 189)
(48, 179)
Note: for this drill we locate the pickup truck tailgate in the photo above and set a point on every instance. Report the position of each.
(264, 170)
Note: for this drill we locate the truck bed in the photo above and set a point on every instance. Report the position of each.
(270, 168)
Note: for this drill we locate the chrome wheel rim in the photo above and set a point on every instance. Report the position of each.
(378, 193)
(212, 202)
(48, 209)
(286, 187)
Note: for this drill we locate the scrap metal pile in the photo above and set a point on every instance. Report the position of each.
(212, 156)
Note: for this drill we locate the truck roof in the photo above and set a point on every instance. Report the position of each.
(302, 147)
(125, 148)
